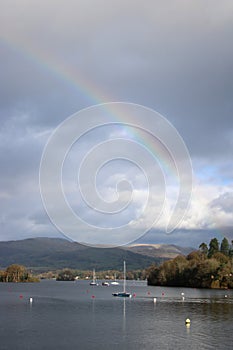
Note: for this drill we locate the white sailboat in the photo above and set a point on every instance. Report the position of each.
(105, 284)
(115, 283)
(94, 282)
(123, 294)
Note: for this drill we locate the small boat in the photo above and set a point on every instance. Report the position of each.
(106, 284)
(123, 294)
(115, 283)
(94, 282)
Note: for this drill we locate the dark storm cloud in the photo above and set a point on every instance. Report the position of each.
(173, 56)
(184, 238)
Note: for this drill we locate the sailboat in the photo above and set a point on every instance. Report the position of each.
(115, 283)
(94, 282)
(123, 294)
(105, 284)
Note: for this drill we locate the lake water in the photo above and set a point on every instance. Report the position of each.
(74, 315)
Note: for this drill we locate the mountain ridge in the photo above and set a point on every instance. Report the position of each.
(168, 251)
(57, 253)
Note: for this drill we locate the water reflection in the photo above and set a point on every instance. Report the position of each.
(124, 315)
(93, 310)
(217, 311)
(188, 328)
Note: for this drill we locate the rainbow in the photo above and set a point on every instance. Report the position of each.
(94, 94)
(59, 69)
(87, 89)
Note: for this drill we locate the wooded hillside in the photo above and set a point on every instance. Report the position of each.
(209, 267)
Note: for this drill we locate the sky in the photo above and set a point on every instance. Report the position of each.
(66, 61)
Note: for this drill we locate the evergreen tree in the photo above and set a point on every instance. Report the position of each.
(225, 246)
(231, 249)
(213, 247)
(203, 248)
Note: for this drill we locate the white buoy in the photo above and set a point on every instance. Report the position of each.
(187, 322)
(31, 300)
(155, 300)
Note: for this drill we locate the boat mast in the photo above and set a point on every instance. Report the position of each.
(124, 277)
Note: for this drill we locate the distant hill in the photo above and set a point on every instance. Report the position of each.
(56, 253)
(164, 251)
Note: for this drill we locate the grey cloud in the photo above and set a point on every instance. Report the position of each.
(184, 238)
(57, 58)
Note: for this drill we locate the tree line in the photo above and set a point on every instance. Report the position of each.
(209, 267)
(17, 273)
(70, 275)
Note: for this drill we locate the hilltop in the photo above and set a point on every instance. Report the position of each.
(56, 253)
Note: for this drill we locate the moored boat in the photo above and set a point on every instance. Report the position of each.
(94, 281)
(105, 283)
(115, 283)
(123, 294)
